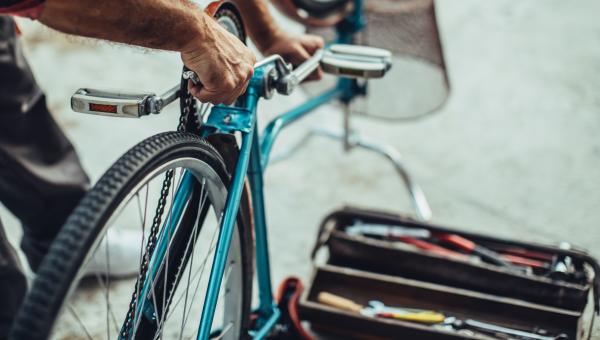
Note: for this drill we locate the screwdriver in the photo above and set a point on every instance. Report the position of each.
(379, 309)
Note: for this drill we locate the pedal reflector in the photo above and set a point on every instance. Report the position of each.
(103, 108)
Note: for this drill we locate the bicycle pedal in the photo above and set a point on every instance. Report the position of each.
(114, 104)
(354, 61)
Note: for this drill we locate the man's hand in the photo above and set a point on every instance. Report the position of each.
(222, 62)
(271, 40)
(295, 49)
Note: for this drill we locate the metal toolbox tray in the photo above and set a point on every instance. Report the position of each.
(361, 286)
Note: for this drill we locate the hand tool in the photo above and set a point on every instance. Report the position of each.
(379, 309)
(499, 331)
(434, 248)
(386, 231)
(523, 261)
(562, 266)
(518, 251)
(475, 249)
(415, 236)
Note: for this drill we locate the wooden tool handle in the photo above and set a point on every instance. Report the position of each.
(339, 302)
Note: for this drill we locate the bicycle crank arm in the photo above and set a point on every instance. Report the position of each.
(121, 104)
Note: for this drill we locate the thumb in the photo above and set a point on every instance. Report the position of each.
(312, 43)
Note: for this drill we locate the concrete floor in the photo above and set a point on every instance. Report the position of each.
(514, 153)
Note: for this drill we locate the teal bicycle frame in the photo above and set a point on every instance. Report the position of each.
(253, 159)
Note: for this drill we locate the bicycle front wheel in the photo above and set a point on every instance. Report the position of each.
(72, 297)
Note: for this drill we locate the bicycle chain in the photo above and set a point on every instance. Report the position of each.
(188, 108)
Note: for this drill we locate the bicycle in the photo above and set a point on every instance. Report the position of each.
(210, 201)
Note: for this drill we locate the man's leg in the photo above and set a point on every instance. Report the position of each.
(41, 179)
(12, 284)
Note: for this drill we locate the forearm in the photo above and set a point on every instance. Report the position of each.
(262, 29)
(159, 24)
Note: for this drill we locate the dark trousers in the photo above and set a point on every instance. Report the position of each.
(41, 179)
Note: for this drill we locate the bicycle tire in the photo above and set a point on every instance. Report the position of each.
(56, 274)
(321, 9)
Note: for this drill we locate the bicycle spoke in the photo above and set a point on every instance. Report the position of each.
(165, 299)
(164, 316)
(152, 288)
(142, 255)
(187, 291)
(201, 270)
(74, 314)
(198, 273)
(204, 262)
(225, 278)
(107, 295)
(224, 331)
(109, 305)
(195, 238)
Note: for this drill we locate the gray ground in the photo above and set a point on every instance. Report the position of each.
(515, 151)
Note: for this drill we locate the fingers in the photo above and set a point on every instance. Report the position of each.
(226, 92)
(300, 56)
(316, 75)
(312, 43)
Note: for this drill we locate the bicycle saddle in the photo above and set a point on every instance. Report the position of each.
(354, 61)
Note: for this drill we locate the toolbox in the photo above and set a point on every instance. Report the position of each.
(439, 276)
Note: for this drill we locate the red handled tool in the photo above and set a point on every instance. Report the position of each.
(432, 247)
(419, 237)
(473, 248)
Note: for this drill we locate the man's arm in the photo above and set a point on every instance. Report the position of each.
(223, 64)
(270, 39)
(159, 24)
(262, 29)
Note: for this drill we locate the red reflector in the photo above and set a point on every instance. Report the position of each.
(103, 108)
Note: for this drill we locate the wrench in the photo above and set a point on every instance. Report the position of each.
(495, 330)
(378, 308)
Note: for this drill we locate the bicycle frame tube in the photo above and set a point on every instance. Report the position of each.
(228, 219)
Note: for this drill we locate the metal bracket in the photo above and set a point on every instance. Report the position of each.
(230, 119)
